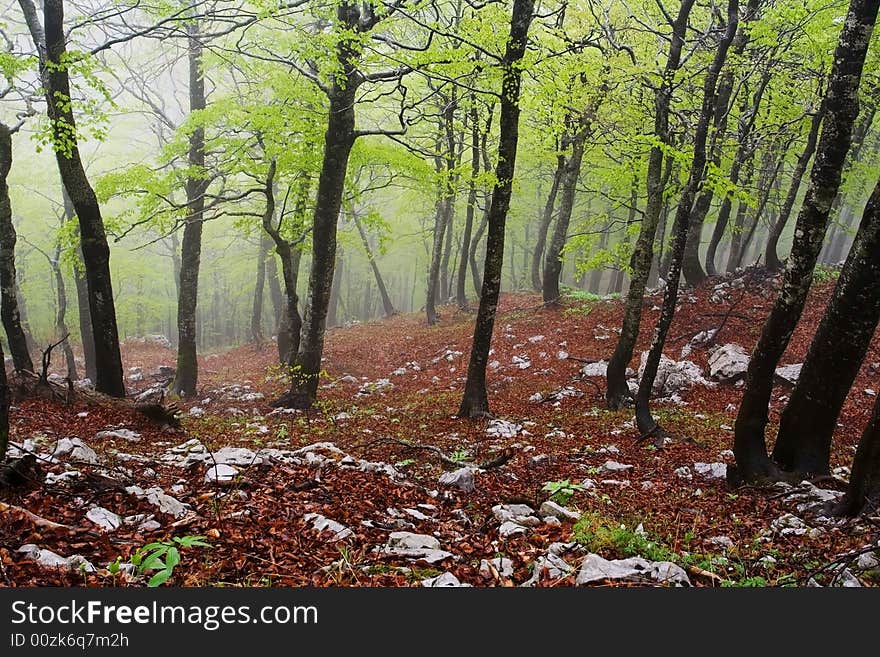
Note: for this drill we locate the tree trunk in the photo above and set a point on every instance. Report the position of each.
(863, 492)
(275, 293)
(691, 267)
(95, 250)
(437, 286)
(841, 109)
(387, 306)
(259, 290)
(771, 257)
(5, 402)
(191, 250)
(475, 401)
(18, 346)
(546, 220)
(803, 444)
(553, 257)
(460, 294)
(596, 275)
(61, 330)
(643, 253)
(644, 420)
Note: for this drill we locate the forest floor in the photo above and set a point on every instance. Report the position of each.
(397, 383)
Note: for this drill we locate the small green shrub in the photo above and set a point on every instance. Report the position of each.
(561, 491)
(163, 557)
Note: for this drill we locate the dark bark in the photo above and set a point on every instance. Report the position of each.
(445, 164)
(82, 302)
(803, 444)
(191, 249)
(387, 306)
(336, 291)
(644, 420)
(841, 109)
(476, 274)
(771, 257)
(643, 253)
(691, 267)
(863, 492)
(546, 220)
(460, 294)
(5, 402)
(96, 252)
(18, 346)
(596, 275)
(475, 401)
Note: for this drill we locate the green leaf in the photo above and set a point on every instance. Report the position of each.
(159, 578)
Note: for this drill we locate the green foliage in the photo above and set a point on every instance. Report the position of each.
(562, 491)
(600, 534)
(825, 274)
(163, 557)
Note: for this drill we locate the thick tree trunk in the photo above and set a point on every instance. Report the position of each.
(475, 401)
(191, 250)
(643, 253)
(841, 109)
(18, 346)
(95, 250)
(387, 306)
(644, 420)
(771, 257)
(863, 492)
(5, 402)
(803, 444)
(461, 280)
(546, 220)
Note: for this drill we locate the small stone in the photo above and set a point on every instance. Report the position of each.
(551, 509)
(647, 485)
(462, 479)
(683, 472)
(446, 580)
(221, 474)
(711, 470)
(197, 411)
(614, 466)
(504, 567)
(322, 524)
(410, 541)
(867, 561)
(415, 513)
(721, 541)
(846, 579)
(76, 450)
(509, 529)
(122, 434)
(106, 520)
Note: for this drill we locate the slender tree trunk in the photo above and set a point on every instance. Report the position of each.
(803, 444)
(5, 402)
(771, 256)
(644, 420)
(644, 249)
(475, 401)
(259, 292)
(460, 294)
(387, 306)
(276, 295)
(191, 250)
(18, 346)
(61, 330)
(437, 281)
(553, 256)
(96, 252)
(596, 275)
(841, 109)
(546, 220)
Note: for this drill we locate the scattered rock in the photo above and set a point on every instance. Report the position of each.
(595, 569)
(683, 472)
(504, 567)
(239, 456)
(75, 450)
(614, 466)
(845, 579)
(867, 561)
(508, 529)
(322, 524)
(371, 387)
(158, 498)
(721, 541)
(121, 434)
(106, 520)
(711, 470)
(519, 514)
(62, 477)
(595, 369)
(789, 374)
(446, 580)
(673, 376)
(50, 559)
(462, 479)
(415, 513)
(551, 509)
(197, 411)
(728, 362)
(415, 546)
(503, 429)
(552, 566)
(221, 474)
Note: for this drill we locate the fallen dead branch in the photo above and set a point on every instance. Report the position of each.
(34, 518)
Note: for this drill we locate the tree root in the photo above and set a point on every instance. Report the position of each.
(38, 521)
